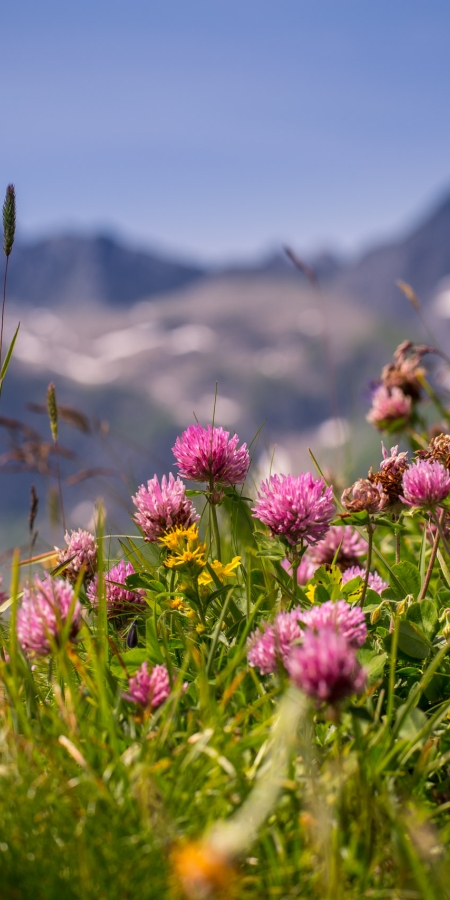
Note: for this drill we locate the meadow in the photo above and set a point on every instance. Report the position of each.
(247, 695)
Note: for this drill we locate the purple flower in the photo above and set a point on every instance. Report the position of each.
(324, 666)
(149, 689)
(391, 408)
(119, 600)
(82, 546)
(425, 484)
(351, 547)
(375, 581)
(210, 455)
(162, 507)
(394, 462)
(348, 621)
(297, 508)
(43, 615)
(271, 646)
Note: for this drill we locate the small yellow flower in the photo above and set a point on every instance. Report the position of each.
(177, 538)
(310, 591)
(200, 629)
(221, 570)
(202, 871)
(190, 613)
(177, 603)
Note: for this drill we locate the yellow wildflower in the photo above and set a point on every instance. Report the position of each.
(221, 570)
(310, 591)
(202, 871)
(200, 628)
(179, 536)
(187, 551)
(177, 603)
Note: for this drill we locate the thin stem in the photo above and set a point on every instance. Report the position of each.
(216, 530)
(431, 562)
(3, 308)
(368, 564)
(60, 487)
(172, 581)
(439, 522)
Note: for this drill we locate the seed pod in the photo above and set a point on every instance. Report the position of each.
(132, 636)
(375, 615)
(52, 410)
(9, 219)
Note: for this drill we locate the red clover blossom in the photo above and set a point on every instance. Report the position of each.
(163, 507)
(149, 689)
(295, 507)
(119, 600)
(425, 484)
(324, 666)
(82, 546)
(43, 615)
(210, 455)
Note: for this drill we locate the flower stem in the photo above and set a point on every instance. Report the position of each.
(432, 560)
(368, 564)
(216, 530)
(3, 307)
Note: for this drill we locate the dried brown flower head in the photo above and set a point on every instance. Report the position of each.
(364, 495)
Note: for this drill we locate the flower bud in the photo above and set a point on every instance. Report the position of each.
(52, 410)
(133, 636)
(9, 219)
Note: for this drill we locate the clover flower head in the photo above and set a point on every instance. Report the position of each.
(375, 582)
(391, 408)
(324, 666)
(394, 461)
(149, 689)
(364, 495)
(210, 455)
(348, 621)
(81, 550)
(342, 538)
(425, 484)
(119, 599)
(270, 647)
(44, 613)
(161, 507)
(295, 507)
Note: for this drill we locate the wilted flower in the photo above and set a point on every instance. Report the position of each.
(295, 507)
(270, 647)
(375, 582)
(119, 598)
(325, 666)
(405, 371)
(149, 689)
(391, 408)
(343, 538)
(44, 613)
(81, 550)
(390, 477)
(210, 455)
(438, 451)
(348, 621)
(162, 507)
(425, 484)
(363, 495)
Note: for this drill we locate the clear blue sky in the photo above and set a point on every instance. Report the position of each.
(219, 127)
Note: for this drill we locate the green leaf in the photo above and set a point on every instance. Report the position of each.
(143, 580)
(132, 659)
(153, 649)
(373, 663)
(404, 579)
(413, 723)
(425, 616)
(8, 358)
(411, 641)
(270, 548)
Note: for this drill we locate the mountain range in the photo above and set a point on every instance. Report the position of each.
(68, 269)
(149, 343)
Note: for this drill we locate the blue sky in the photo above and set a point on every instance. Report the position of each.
(219, 128)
